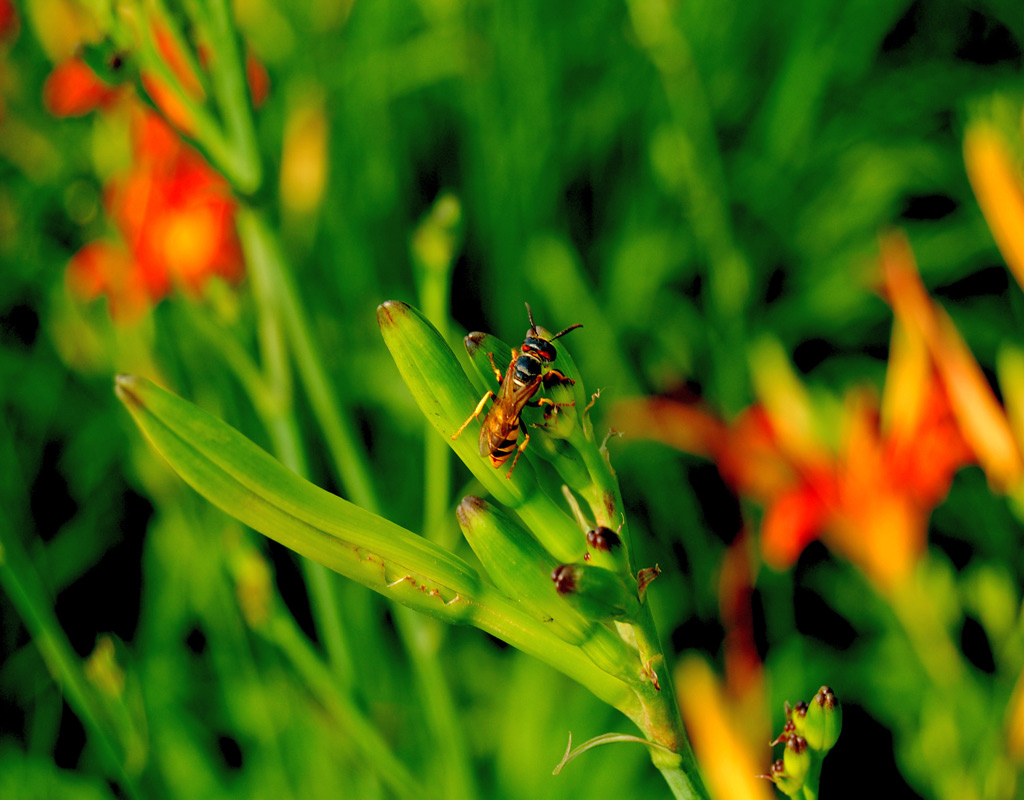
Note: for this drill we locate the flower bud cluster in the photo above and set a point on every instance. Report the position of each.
(811, 730)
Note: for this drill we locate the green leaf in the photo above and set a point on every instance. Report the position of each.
(246, 482)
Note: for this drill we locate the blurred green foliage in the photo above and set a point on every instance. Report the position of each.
(680, 178)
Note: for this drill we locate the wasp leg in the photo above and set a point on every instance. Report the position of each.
(537, 402)
(519, 452)
(555, 378)
(475, 414)
(544, 401)
(548, 402)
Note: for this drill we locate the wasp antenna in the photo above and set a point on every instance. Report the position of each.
(533, 325)
(570, 328)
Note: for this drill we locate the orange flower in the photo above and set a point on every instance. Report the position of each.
(870, 495)
(176, 218)
(174, 213)
(107, 269)
(978, 413)
(996, 180)
(73, 89)
(728, 757)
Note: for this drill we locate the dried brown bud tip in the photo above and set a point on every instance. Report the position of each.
(796, 743)
(644, 578)
(604, 539)
(826, 698)
(566, 578)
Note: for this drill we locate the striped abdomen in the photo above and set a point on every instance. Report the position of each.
(499, 435)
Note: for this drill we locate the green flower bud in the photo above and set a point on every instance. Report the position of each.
(824, 720)
(798, 716)
(777, 774)
(597, 593)
(519, 566)
(797, 759)
(436, 238)
(444, 394)
(447, 398)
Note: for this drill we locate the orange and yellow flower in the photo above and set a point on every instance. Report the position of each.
(869, 496)
(730, 760)
(175, 217)
(173, 213)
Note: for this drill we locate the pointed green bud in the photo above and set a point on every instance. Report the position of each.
(797, 715)
(246, 482)
(597, 593)
(436, 238)
(797, 759)
(519, 566)
(444, 393)
(824, 720)
(778, 775)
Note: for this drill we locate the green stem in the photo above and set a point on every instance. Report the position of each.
(704, 188)
(25, 589)
(810, 788)
(423, 637)
(363, 735)
(662, 721)
(206, 134)
(287, 443)
(683, 782)
(231, 649)
(347, 455)
(169, 25)
(232, 90)
(927, 635)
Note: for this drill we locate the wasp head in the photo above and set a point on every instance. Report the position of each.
(538, 342)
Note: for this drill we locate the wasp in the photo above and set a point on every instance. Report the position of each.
(529, 368)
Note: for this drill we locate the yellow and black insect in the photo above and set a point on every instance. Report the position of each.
(529, 368)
